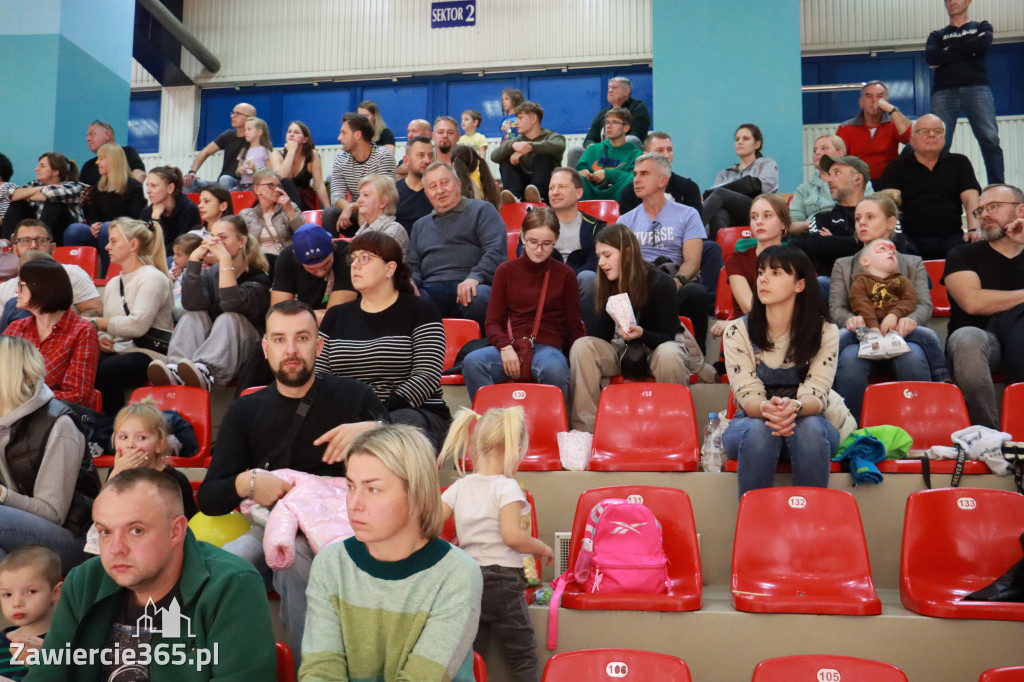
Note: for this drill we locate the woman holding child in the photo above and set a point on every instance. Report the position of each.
(876, 219)
(781, 359)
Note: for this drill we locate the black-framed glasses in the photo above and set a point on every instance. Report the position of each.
(655, 236)
(29, 241)
(990, 207)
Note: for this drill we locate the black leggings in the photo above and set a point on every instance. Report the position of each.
(56, 215)
(118, 372)
(725, 208)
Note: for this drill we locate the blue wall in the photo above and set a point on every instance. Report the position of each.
(720, 64)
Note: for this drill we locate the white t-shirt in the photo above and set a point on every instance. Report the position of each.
(82, 287)
(477, 501)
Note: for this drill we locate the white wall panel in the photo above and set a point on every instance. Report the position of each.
(141, 79)
(835, 26)
(269, 40)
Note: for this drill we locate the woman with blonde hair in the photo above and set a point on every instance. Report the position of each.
(137, 309)
(378, 202)
(395, 601)
(38, 434)
(116, 195)
(224, 309)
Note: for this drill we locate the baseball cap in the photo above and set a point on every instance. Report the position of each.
(854, 162)
(312, 244)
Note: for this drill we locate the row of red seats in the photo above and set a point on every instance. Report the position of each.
(631, 664)
(803, 550)
(239, 200)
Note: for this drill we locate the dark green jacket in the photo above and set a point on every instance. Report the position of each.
(223, 596)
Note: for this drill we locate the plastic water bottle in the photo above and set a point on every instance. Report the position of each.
(711, 455)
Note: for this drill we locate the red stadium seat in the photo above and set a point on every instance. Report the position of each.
(645, 426)
(727, 238)
(544, 406)
(956, 541)
(313, 217)
(250, 390)
(113, 271)
(479, 669)
(928, 411)
(83, 256)
(193, 404)
(724, 309)
(457, 333)
(602, 209)
(824, 667)
(1011, 674)
(512, 244)
(940, 299)
(514, 213)
(285, 663)
(1012, 421)
(673, 509)
(615, 664)
(801, 550)
(242, 200)
(193, 197)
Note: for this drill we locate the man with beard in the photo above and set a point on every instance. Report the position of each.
(986, 300)
(446, 136)
(412, 200)
(302, 422)
(359, 157)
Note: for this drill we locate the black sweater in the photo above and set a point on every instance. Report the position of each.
(658, 318)
(104, 206)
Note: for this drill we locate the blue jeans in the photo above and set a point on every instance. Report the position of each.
(19, 528)
(810, 448)
(442, 294)
(586, 280)
(825, 287)
(852, 372)
(924, 337)
(978, 105)
(80, 234)
(228, 182)
(483, 368)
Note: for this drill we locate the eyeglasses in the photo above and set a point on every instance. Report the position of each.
(990, 207)
(363, 257)
(611, 122)
(655, 237)
(29, 241)
(20, 286)
(933, 132)
(239, 113)
(537, 244)
(271, 185)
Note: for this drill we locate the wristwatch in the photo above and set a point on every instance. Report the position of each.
(799, 407)
(681, 279)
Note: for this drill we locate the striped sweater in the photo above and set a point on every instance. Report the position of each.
(398, 352)
(369, 620)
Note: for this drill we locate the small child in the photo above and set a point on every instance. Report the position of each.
(30, 581)
(510, 99)
(882, 296)
(487, 505)
(183, 245)
(471, 120)
(255, 152)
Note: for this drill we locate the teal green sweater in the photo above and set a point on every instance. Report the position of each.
(617, 163)
(413, 619)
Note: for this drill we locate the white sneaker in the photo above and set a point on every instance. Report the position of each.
(195, 374)
(162, 374)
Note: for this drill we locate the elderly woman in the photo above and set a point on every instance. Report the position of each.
(394, 602)
(69, 344)
(274, 218)
(39, 434)
(389, 338)
(378, 201)
(877, 217)
(137, 307)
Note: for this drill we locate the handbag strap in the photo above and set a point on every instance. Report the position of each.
(540, 310)
(124, 301)
(293, 430)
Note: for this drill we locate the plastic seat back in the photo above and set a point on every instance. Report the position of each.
(242, 200)
(113, 271)
(1010, 674)
(479, 669)
(84, 257)
(928, 411)
(457, 333)
(940, 298)
(312, 217)
(512, 244)
(956, 541)
(602, 209)
(801, 550)
(193, 404)
(673, 510)
(1012, 421)
(285, 663)
(728, 236)
(251, 390)
(544, 406)
(724, 309)
(193, 197)
(615, 664)
(514, 213)
(645, 427)
(819, 667)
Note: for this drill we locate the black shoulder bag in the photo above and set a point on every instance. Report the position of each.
(155, 339)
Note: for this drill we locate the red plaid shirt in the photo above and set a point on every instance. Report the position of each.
(71, 353)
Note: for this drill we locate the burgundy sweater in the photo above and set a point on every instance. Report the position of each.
(516, 292)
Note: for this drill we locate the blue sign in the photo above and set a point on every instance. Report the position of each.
(451, 13)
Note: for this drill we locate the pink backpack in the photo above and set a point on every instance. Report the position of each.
(621, 552)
